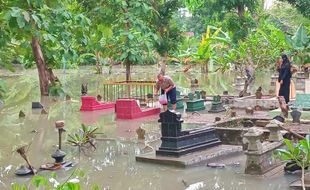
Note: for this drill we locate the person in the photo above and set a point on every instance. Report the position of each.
(167, 87)
(284, 78)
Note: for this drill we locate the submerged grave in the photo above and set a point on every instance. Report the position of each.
(186, 147)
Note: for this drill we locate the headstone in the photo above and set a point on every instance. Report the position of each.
(171, 123)
(203, 94)
(198, 95)
(190, 96)
(84, 89)
(195, 104)
(21, 114)
(217, 105)
(141, 133)
(36, 105)
(259, 93)
(68, 98)
(176, 142)
(303, 101)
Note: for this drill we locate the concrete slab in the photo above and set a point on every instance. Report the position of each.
(305, 115)
(191, 159)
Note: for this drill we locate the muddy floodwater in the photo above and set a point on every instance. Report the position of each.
(112, 165)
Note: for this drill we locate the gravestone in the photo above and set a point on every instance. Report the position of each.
(217, 105)
(195, 103)
(36, 105)
(303, 101)
(176, 142)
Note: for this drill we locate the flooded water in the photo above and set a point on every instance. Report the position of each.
(112, 165)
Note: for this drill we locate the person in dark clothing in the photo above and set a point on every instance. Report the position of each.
(285, 78)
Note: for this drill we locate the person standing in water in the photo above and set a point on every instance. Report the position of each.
(167, 87)
(284, 79)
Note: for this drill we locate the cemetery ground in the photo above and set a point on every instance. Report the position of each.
(115, 163)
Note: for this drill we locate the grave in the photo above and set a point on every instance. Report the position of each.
(129, 109)
(266, 102)
(195, 103)
(180, 104)
(176, 142)
(302, 102)
(89, 103)
(259, 156)
(217, 105)
(186, 147)
(36, 105)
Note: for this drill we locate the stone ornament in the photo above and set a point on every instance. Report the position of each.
(253, 136)
(141, 133)
(275, 132)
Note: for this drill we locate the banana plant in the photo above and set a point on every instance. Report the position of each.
(208, 45)
(300, 44)
(300, 154)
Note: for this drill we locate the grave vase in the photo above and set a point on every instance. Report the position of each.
(296, 115)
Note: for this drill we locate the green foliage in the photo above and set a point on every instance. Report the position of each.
(262, 47)
(209, 43)
(299, 153)
(59, 25)
(236, 14)
(3, 89)
(85, 135)
(286, 17)
(133, 40)
(301, 5)
(300, 44)
(41, 182)
(167, 29)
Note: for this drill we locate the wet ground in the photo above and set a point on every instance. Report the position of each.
(112, 165)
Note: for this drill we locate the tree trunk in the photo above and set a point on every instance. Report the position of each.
(41, 66)
(98, 66)
(163, 64)
(240, 9)
(127, 63)
(46, 74)
(205, 67)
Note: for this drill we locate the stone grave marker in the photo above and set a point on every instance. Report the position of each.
(303, 101)
(176, 142)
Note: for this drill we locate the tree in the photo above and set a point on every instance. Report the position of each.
(237, 13)
(133, 37)
(55, 30)
(167, 30)
(301, 5)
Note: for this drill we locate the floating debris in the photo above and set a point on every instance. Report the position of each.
(216, 165)
(196, 186)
